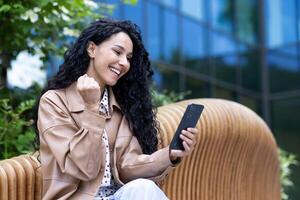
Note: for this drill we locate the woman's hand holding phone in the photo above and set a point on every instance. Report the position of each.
(189, 138)
(185, 137)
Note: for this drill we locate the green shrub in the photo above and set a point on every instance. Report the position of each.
(16, 132)
(287, 160)
(165, 97)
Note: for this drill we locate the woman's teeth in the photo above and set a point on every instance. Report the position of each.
(118, 72)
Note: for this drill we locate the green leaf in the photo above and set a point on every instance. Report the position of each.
(131, 2)
(5, 8)
(287, 160)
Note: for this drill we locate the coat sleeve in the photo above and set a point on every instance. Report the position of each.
(134, 164)
(77, 150)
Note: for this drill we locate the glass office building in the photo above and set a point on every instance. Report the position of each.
(242, 50)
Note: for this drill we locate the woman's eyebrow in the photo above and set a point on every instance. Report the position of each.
(121, 47)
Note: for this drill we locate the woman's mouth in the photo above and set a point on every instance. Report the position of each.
(115, 70)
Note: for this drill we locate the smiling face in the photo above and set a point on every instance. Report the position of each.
(110, 60)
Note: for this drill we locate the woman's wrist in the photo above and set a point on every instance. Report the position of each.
(174, 159)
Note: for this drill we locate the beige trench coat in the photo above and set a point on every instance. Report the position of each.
(72, 153)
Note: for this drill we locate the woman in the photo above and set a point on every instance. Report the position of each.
(96, 125)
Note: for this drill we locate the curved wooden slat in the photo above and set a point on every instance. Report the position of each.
(3, 184)
(20, 177)
(11, 180)
(30, 175)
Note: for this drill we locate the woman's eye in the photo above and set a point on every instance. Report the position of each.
(117, 52)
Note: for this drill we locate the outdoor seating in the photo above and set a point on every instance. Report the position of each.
(236, 158)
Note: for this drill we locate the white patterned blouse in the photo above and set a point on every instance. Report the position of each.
(108, 186)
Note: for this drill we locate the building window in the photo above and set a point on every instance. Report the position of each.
(222, 14)
(165, 78)
(251, 103)
(195, 55)
(283, 67)
(193, 8)
(198, 88)
(153, 31)
(169, 3)
(171, 37)
(247, 13)
(281, 24)
(224, 57)
(135, 13)
(250, 69)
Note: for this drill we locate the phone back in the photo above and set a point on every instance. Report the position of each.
(189, 119)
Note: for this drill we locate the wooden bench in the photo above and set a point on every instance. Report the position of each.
(235, 158)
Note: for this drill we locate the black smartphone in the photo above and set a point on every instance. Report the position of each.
(189, 119)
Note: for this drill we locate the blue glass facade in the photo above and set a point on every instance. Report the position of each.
(243, 50)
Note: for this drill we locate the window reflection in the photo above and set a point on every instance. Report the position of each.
(166, 79)
(171, 48)
(222, 14)
(194, 52)
(193, 8)
(298, 20)
(222, 44)
(285, 123)
(169, 3)
(198, 88)
(280, 21)
(284, 69)
(134, 13)
(224, 94)
(251, 103)
(193, 41)
(224, 58)
(251, 69)
(153, 31)
(247, 20)
(226, 67)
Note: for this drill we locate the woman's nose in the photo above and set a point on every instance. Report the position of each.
(124, 61)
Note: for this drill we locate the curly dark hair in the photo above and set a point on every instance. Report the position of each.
(132, 90)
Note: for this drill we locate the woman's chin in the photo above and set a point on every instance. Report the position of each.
(111, 82)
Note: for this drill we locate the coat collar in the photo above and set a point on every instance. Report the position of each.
(76, 103)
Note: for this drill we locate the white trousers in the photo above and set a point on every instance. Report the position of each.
(140, 189)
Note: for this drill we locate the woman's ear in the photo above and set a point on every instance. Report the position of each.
(91, 49)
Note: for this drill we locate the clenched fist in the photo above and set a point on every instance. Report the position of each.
(90, 92)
